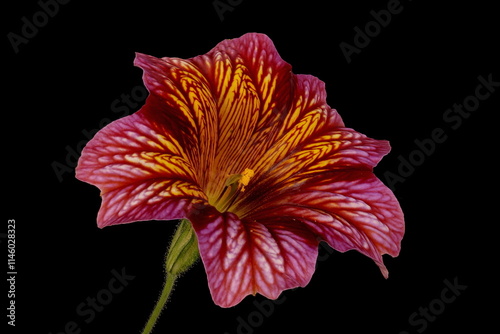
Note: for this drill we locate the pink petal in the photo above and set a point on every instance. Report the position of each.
(140, 170)
(347, 209)
(249, 257)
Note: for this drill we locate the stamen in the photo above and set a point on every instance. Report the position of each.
(235, 183)
(245, 178)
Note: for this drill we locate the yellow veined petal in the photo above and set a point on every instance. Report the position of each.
(141, 170)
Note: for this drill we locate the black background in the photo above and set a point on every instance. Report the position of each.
(429, 57)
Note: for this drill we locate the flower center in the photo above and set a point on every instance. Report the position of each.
(235, 184)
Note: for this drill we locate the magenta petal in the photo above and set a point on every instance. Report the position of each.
(141, 172)
(249, 257)
(347, 209)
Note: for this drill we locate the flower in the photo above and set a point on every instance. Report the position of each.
(257, 161)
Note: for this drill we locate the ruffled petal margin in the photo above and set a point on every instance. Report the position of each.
(350, 210)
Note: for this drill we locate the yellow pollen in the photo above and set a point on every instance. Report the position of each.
(245, 178)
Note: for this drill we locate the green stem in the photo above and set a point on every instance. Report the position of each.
(167, 289)
(182, 254)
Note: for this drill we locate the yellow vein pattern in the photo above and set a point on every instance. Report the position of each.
(251, 83)
(182, 101)
(139, 169)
